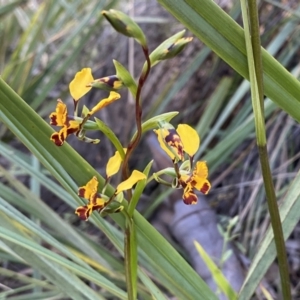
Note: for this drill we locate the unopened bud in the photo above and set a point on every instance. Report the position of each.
(176, 48)
(113, 207)
(108, 83)
(125, 25)
(169, 48)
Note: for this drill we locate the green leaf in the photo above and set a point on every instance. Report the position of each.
(289, 213)
(131, 258)
(216, 273)
(111, 136)
(9, 7)
(153, 122)
(160, 257)
(60, 265)
(226, 38)
(125, 77)
(68, 282)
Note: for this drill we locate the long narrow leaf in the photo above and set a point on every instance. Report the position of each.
(289, 213)
(225, 37)
(176, 274)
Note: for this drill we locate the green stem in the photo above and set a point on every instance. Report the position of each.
(275, 222)
(130, 243)
(130, 257)
(256, 80)
(256, 48)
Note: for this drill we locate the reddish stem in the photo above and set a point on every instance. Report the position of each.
(138, 118)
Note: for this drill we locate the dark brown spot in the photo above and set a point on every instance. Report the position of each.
(53, 119)
(190, 199)
(205, 188)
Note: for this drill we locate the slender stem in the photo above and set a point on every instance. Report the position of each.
(275, 222)
(130, 258)
(138, 118)
(256, 47)
(262, 146)
(130, 243)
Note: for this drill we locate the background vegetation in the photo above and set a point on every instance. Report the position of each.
(46, 252)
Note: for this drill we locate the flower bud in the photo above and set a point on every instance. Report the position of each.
(125, 25)
(113, 207)
(169, 48)
(108, 83)
(176, 47)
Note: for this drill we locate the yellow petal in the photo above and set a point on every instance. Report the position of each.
(200, 170)
(89, 189)
(59, 117)
(131, 181)
(114, 164)
(113, 96)
(199, 177)
(170, 137)
(78, 85)
(190, 139)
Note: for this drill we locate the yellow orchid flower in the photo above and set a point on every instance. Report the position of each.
(185, 139)
(60, 118)
(197, 180)
(95, 202)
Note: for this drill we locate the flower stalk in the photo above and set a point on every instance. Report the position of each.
(252, 37)
(138, 118)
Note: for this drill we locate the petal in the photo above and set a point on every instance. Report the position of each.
(99, 203)
(72, 127)
(199, 176)
(90, 188)
(59, 117)
(202, 185)
(189, 197)
(78, 86)
(184, 179)
(200, 170)
(114, 164)
(83, 212)
(113, 96)
(190, 139)
(170, 137)
(131, 181)
(57, 138)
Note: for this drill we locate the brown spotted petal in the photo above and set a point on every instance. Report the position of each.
(84, 212)
(189, 196)
(171, 138)
(89, 189)
(59, 117)
(199, 177)
(58, 138)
